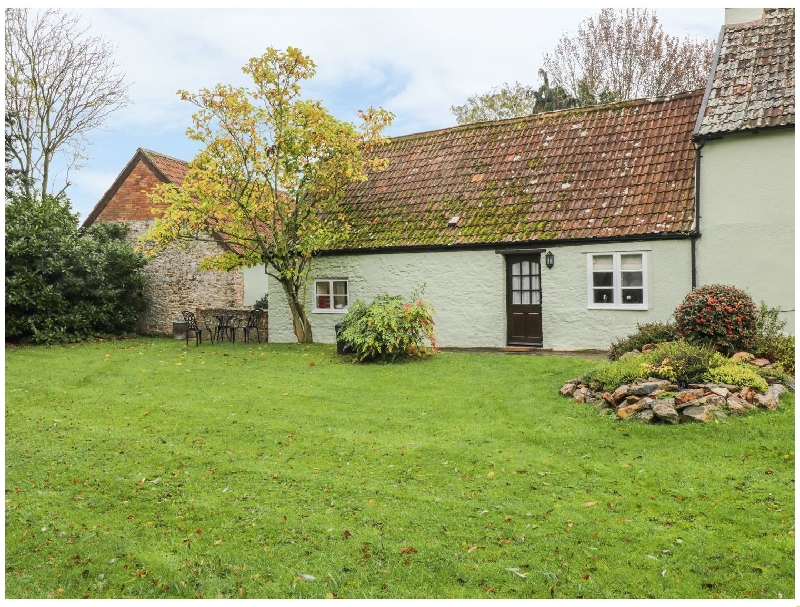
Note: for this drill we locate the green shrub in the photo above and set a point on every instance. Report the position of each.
(649, 333)
(610, 376)
(770, 342)
(682, 362)
(263, 303)
(718, 316)
(738, 374)
(389, 329)
(64, 284)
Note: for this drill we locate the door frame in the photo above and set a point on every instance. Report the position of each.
(510, 257)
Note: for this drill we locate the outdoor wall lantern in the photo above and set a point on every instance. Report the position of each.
(550, 260)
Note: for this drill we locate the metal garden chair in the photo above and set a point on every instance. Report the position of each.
(192, 327)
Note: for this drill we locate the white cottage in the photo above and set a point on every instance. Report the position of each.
(473, 213)
(745, 141)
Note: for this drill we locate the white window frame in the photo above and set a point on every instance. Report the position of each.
(618, 304)
(331, 310)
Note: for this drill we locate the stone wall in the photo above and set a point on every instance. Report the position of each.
(176, 283)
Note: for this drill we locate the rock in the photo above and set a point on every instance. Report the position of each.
(629, 354)
(766, 401)
(649, 347)
(720, 391)
(738, 405)
(643, 389)
(630, 400)
(777, 390)
(685, 397)
(711, 402)
(579, 396)
(628, 411)
(745, 356)
(747, 393)
(696, 413)
(609, 398)
(664, 410)
(620, 393)
(645, 415)
(567, 389)
(760, 362)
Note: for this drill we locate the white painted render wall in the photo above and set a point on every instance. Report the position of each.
(255, 285)
(467, 291)
(747, 217)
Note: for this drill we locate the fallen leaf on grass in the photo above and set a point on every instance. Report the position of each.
(516, 571)
(408, 550)
(589, 504)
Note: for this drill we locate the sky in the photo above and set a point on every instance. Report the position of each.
(416, 63)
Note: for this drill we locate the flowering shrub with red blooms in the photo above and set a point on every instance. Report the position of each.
(389, 329)
(719, 316)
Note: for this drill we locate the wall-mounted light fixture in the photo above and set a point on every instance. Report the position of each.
(550, 259)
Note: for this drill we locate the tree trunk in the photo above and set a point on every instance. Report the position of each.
(302, 328)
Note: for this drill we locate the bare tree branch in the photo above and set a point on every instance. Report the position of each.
(625, 54)
(60, 85)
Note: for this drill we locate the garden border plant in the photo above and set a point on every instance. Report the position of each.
(389, 329)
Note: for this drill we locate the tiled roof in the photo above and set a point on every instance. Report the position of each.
(753, 84)
(172, 168)
(619, 170)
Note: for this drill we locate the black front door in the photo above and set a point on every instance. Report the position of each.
(524, 297)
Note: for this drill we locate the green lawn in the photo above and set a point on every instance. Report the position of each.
(144, 468)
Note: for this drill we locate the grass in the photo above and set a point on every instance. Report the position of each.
(143, 468)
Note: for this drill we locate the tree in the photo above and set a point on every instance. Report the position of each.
(506, 101)
(270, 178)
(625, 54)
(63, 284)
(60, 84)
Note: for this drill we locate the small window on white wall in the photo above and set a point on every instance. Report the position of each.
(330, 296)
(617, 280)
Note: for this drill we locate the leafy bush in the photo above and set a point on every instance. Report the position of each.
(718, 316)
(770, 342)
(649, 333)
(389, 329)
(682, 362)
(738, 374)
(63, 284)
(677, 361)
(610, 376)
(263, 303)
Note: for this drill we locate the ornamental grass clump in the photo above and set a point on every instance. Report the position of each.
(389, 329)
(718, 316)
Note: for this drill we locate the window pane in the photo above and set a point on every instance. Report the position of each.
(340, 287)
(535, 284)
(632, 296)
(516, 298)
(323, 287)
(631, 263)
(515, 269)
(603, 263)
(603, 279)
(323, 302)
(526, 298)
(632, 279)
(339, 302)
(535, 268)
(604, 296)
(526, 268)
(526, 283)
(536, 298)
(515, 283)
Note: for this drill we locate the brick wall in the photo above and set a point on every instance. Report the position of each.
(174, 280)
(130, 201)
